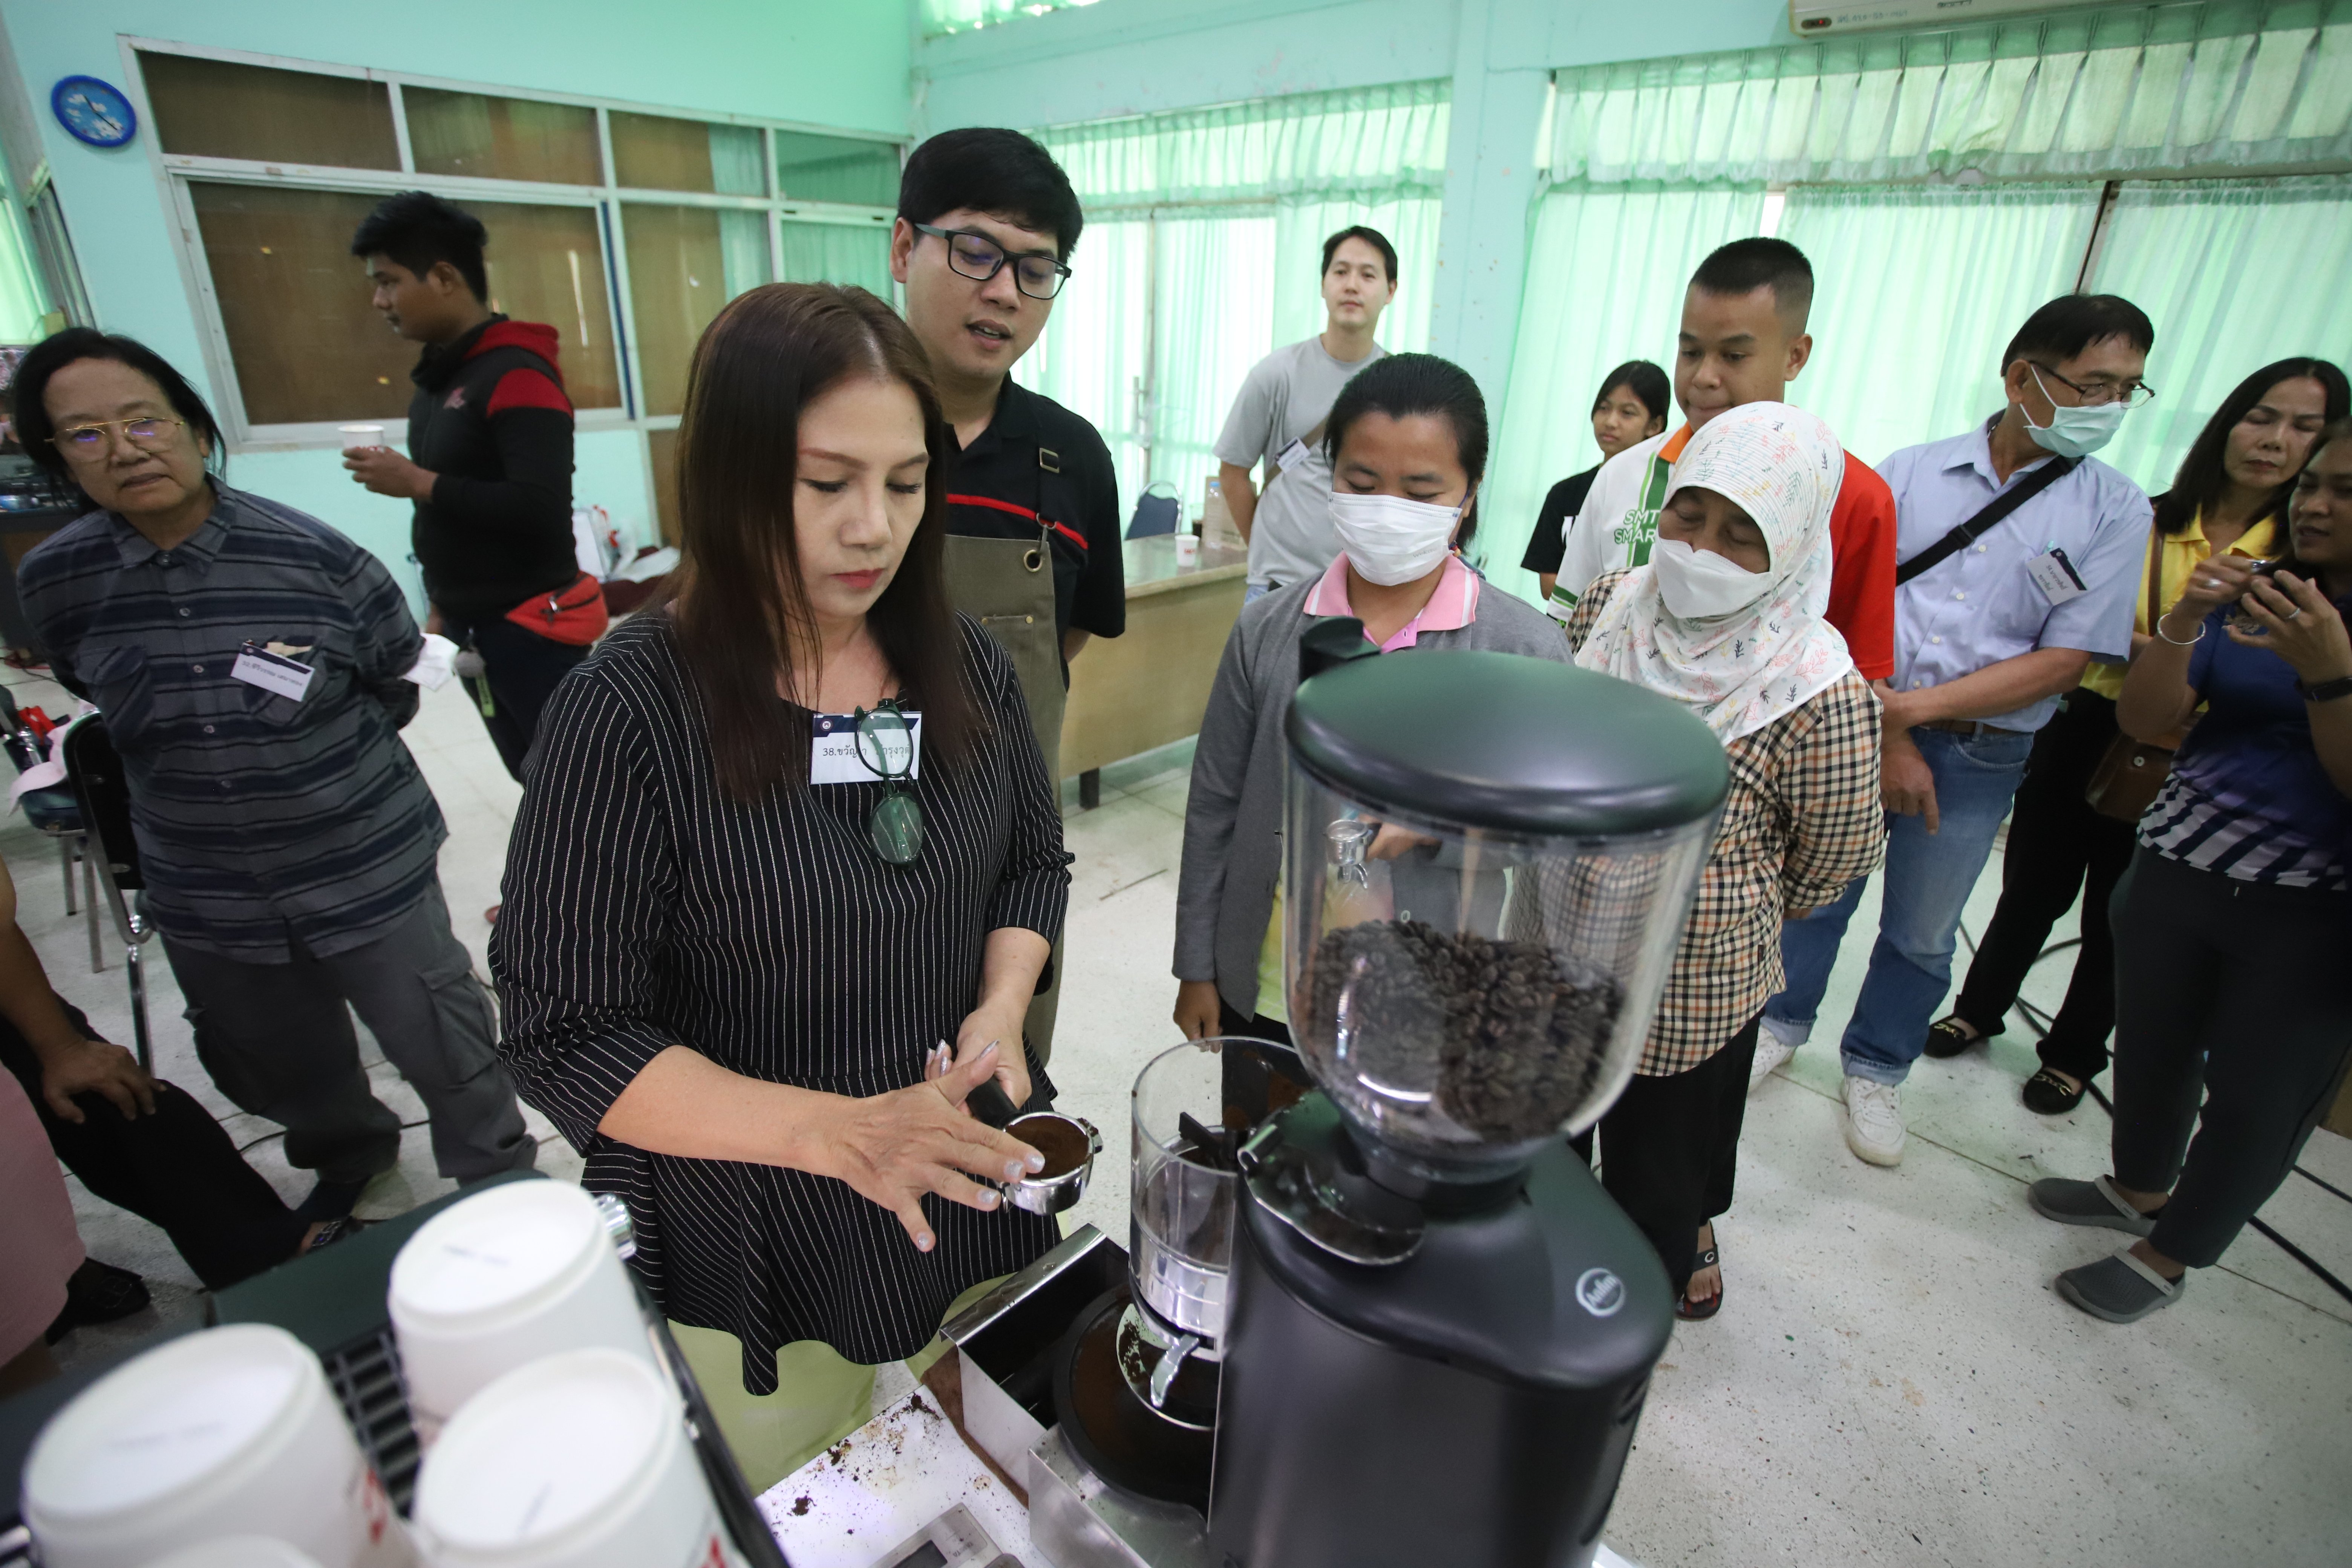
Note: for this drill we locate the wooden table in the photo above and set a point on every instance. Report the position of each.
(1131, 693)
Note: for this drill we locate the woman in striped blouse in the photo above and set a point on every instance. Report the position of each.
(1728, 617)
(730, 949)
(2234, 922)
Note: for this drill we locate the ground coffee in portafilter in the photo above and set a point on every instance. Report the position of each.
(1063, 1143)
(1518, 1042)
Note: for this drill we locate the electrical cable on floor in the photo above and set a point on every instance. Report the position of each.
(2041, 1022)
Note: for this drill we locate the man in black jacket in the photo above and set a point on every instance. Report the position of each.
(489, 463)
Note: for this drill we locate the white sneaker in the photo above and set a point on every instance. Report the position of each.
(1772, 1052)
(1873, 1121)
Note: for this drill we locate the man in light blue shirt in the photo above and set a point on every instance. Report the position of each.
(1987, 638)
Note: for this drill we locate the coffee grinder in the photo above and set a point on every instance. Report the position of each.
(1438, 1329)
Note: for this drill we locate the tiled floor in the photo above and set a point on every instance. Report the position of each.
(1891, 1380)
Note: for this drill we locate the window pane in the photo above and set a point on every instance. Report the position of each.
(654, 152)
(305, 343)
(214, 108)
(502, 138)
(307, 347)
(847, 254)
(661, 452)
(837, 169)
(684, 264)
(547, 264)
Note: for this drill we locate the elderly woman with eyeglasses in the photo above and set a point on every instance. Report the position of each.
(788, 833)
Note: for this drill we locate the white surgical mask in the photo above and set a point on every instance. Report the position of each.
(1699, 584)
(2074, 432)
(1389, 539)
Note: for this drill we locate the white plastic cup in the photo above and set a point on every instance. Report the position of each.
(360, 437)
(238, 1552)
(1188, 549)
(229, 1431)
(512, 1274)
(578, 1460)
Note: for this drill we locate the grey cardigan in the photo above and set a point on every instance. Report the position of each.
(1233, 821)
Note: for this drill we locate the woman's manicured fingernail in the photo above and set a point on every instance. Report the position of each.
(923, 1242)
(989, 1200)
(1013, 1170)
(989, 1050)
(1035, 1161)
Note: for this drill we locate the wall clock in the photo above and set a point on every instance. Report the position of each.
(93, 111)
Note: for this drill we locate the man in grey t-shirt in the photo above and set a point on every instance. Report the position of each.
(1278, 418)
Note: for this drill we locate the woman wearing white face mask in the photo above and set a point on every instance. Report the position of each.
(1407, 442)
(1728, 617)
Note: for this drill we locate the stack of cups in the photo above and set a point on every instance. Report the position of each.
(524, 1271)
(578, 1460)
(229, 1432)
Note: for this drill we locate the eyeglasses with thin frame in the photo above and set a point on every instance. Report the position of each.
(87, 439)
(975, 256)
(2098, 394)
(886, 747)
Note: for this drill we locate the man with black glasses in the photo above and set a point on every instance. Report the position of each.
(986, 224)
(2018, 555)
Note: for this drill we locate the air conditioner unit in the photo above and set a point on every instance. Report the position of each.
(1813, 18)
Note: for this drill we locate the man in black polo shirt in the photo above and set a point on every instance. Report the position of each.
(986, 222)
(489, 465)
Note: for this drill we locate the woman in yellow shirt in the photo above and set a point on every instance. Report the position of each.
(2230, 495)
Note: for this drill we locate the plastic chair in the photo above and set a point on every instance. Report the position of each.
(95, 771)
(54, 811)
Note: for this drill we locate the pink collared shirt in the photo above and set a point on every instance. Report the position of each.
(1451, 608)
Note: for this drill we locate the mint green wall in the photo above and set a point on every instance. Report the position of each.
(822, 62)
(1133, 56)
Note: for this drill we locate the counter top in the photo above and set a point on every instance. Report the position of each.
(1151, 566)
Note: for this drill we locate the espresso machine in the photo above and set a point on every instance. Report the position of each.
(1438, 1329)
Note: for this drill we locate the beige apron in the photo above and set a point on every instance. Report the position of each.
(1007, 586)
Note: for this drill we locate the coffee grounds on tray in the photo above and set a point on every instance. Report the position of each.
(1064, 1144)
(1519, 1043)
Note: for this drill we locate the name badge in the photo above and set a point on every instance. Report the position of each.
(2056, 576)
(273, 672)
(1291, 456)
(832, 751)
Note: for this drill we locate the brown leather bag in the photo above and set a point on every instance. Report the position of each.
(2125, 782)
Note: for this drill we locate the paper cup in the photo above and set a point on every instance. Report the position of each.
(520, 1271)
(579, 1460)
(358, 435)
(238, 1552)
(231, 1431)
(1188, 549)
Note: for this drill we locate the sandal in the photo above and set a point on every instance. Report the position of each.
(1690, 1311)
(2047, 1093)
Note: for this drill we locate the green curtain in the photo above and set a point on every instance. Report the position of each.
(2235, 274)
(1916, 289)
(2128, 90)
(1200, 356)
(848, 254)
(1090, 358)
(744, 250)
(736, 160)
(1301, 225)
(1605, 281)
(1371, 144)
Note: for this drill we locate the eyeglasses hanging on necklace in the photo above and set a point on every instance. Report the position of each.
(886, 747)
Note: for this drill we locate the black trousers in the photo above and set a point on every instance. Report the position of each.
(1670, 1149)
(2234, 992)
(2058, 847)
(1232, 1022)
(176, 1169)
(521, 671)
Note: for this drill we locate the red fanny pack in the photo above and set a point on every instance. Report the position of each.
(575, 616)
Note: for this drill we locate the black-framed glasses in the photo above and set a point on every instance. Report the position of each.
(886, 747)
(153, 434)
(2098, 394)
(975, 256)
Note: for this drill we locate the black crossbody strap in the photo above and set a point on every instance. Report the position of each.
(1993, 510)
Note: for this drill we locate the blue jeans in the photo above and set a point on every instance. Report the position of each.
(1928, 880)
(1255, 591)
